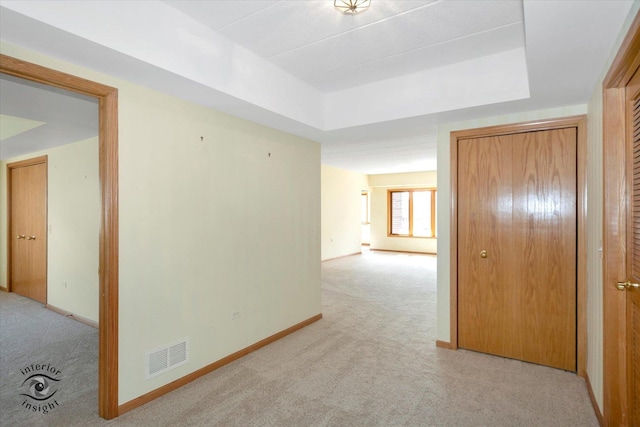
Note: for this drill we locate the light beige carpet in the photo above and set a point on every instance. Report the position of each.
(371, 361)
(31, 335)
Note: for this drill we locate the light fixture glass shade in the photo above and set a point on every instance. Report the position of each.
(351, 7)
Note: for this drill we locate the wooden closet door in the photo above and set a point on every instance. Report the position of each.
(29, 231)
(517, 202)
(544, 229)
(484, 219)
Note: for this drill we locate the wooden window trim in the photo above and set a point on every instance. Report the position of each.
(366, 193)
(433, 191)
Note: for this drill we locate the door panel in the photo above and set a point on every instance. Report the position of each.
(633, 251)
(484, 207)
(633, 371)
(28, 231)
(20, 247)
(544, 232)
(517, 201)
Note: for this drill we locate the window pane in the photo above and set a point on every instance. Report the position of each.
(364, 208)
(422, 213)
(435, 222)
(400, 212)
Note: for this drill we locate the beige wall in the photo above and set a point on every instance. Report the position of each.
(73, 219)
(379, 185)
(594, 244)
(341, 226)
(210, 224)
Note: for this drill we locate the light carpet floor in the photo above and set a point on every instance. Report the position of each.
(31, 334)
(371, 361)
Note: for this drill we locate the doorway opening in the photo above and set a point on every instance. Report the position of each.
(108, 250)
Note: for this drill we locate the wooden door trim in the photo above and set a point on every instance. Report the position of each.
(622, 69)
(580, 123)
(28, 162)
(22, 163)
(108, 163)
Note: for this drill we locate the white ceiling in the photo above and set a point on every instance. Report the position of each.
(60, 117)
(332, 52)
(372, 88)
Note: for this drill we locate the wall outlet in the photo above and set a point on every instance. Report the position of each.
(235, 315)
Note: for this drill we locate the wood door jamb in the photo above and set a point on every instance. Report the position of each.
(108, 168)
(624, 65)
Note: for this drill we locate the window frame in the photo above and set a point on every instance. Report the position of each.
(366, 194)
(390, 192)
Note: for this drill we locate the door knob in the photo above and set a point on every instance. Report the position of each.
(483, 254)
(20, 236)
(31, 237)
(621, 286)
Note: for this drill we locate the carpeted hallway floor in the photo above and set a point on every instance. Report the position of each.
(371, 361)
(30, 334)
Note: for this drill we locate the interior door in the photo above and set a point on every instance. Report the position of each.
(517, 222)
(484, 207)
(631, 286)
(28, 229)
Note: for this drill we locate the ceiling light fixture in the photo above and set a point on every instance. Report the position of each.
(351, 7)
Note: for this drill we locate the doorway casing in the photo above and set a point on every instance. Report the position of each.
(108, 263)
(579, 122)
(616, 201)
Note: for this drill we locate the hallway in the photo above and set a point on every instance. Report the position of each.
(370, 361)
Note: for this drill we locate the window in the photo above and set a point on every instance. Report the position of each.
(364, 207)
(412, 213)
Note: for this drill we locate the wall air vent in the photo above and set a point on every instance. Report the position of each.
(163, 359)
